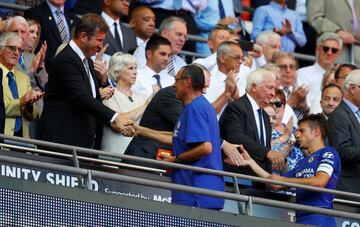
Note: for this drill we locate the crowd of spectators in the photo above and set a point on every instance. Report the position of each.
(95, 81)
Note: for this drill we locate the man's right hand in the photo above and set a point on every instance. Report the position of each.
(123, 126)
(347, 37)
(277, 160)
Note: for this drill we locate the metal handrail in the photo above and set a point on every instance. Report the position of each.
(181, 166)
(195, 38)
(172, 186)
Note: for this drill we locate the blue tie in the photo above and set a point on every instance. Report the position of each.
(15, 94)
(221, 10)
(157, 77)
(22, 62)
(261, 126)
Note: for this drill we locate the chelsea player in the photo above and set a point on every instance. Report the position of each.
(321, 168)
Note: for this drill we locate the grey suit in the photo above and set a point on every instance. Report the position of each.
(344, 135)
(128, 43)
(333, 15)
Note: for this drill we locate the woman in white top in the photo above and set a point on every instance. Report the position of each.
(130, 104)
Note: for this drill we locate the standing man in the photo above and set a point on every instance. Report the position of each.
(245, 122)
(56, 25)
(158, 53)
(344, 133)
(321, 168)
(331, 97)
(278, 18)
(72, 105)
(17, 95)
(328, 49)
(119, 37)
(341, 17)
(195, 140)
(142, 22)
(174, 29)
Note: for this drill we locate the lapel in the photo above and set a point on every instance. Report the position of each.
(112, 42)
(251, 119)
(351, 116)
(51, 21)
(82, 67)
(69, 20)
(21, 86)
(94, 77)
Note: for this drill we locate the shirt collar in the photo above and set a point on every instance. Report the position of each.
(6, 70)
(77, 50)
(150, 71)
(253, 103)
(277, 6)
(351, 105)
(109, 21)
(54, 8)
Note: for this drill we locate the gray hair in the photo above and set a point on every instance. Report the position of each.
(352, 78)
(257, 77)
(329, 36)
(18, 19)
(6, 36)
(118, 62)
(224, 48)
(168, 22)
(283, 54)
(265, 36)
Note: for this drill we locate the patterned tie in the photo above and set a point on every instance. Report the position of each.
(61, 26)
(91, 81)
(157, 77)
(117, 36)
(22, 62)
(221, 10)
(15, 94)
(357, 113)
(260, 114)
(171, 68)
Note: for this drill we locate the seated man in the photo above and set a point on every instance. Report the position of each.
(321, 168)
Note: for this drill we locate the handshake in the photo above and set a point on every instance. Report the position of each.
(125, 126)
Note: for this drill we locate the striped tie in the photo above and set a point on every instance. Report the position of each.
(22, 62)
(171, 69)
(61, 26)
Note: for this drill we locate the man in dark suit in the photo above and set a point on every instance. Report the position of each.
(245, 122)
(344, 133)
(2, 106)
(56, 25)
(119, 37)
(72, 105)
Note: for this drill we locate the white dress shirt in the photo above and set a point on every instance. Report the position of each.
(312, 77)
(139, 54)
(110, 22)
(209, 62)
(145, 80)
(255, 108)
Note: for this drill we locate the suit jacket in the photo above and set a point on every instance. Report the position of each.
(238, 126)
(49, 29)
(161, 114)
(2, 106)
(82, 7)
(12, 106)
(128, 43)
(71, 115)
(344, 136)
(333, 15)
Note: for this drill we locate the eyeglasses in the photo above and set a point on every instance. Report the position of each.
(277, 104)
(13, 49)
(237, 57)
(286, 67)
(332, 49)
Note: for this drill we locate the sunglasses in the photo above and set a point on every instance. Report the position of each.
(332, 49)
(277, 104)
